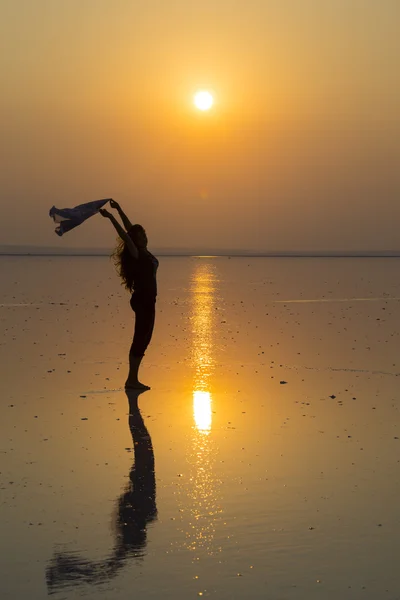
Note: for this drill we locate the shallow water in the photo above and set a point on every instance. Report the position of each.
(263, 463)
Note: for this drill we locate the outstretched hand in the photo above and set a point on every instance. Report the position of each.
(105, 213)
(114, 204)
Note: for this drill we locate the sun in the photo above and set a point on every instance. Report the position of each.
(203, 100)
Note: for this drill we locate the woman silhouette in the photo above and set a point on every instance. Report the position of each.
(137, 268)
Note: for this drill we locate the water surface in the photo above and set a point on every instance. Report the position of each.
(263, 463)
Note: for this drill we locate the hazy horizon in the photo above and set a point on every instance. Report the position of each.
(37, 250)
(301, 149)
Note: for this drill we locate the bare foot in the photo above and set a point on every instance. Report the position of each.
(136, 385)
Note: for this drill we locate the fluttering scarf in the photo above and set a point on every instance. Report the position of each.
(68, 218)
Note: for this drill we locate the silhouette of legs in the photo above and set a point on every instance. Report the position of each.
(132, 382)
(144, 325)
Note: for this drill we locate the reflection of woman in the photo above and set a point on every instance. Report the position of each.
(137, 268)
(135, 509)
(137, 506)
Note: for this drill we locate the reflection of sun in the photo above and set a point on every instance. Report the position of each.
(202, 411)
(203, 100)
(203, 289)
(204, 511)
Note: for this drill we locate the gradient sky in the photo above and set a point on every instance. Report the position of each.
(300, 152)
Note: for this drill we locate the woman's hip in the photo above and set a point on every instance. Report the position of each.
(142, 303)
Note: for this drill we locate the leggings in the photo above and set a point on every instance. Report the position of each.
(145, 313)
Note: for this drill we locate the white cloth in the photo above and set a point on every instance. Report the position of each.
(68, 218)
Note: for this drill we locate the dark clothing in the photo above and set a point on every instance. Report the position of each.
(143, 300)
(145, 313)
(144, 270)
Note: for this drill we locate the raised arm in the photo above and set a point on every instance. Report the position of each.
(121, 232)
(124, 218)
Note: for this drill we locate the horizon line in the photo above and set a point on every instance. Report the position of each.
(221, 253)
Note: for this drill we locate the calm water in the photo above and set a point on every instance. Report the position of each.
(262, 464)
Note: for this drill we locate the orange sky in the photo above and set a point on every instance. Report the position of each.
(299, 152)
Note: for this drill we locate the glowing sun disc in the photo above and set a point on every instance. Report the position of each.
(203, 100)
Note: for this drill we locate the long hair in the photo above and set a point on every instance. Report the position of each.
(123, 260)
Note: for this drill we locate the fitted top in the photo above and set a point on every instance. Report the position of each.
(144, 269)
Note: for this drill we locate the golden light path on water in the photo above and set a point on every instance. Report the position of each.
(203, 489)
(203, 297)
